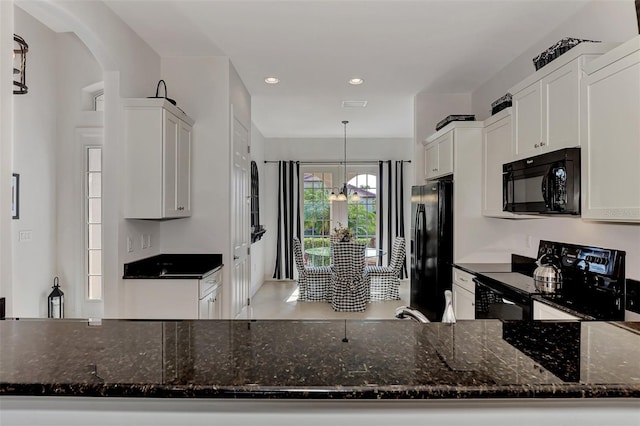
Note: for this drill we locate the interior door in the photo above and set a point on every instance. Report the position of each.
(240, 219)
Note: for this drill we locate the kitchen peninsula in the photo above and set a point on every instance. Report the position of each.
(319, 360)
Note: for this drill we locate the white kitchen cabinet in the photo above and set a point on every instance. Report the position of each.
(464, 295)
(161, 298)
(158, 160)
(542, 311)
(610, 136)
(210, 305)
(439, 156)
(496, 151)
(439, 148)
(546, 105)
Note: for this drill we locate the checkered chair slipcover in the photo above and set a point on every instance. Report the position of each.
(314, 282)
(385, 280)
(349, 287)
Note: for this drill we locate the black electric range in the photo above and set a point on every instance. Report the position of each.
(593, 285)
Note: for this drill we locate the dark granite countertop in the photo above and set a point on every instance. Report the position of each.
(477, 268)
(172, 266)
(329, 359)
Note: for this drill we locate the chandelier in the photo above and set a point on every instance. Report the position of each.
(343, 195)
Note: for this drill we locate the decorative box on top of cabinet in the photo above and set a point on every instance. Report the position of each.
(158, 160)
(439, 148)
(546, 105)
(610, 136)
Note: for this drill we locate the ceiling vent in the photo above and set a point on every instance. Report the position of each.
(354, 104)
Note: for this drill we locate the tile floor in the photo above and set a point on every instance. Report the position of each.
(278, 300)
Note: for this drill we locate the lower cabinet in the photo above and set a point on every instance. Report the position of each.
(542, 311)
(464, 295)
(161, 298)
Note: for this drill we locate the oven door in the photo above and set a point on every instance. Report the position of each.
(494, 302)
(523, 188)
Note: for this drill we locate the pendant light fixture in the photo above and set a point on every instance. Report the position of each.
(342, 196)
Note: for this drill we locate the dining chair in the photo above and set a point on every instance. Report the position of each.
(314, 282)
(385, 280)
(349, 286)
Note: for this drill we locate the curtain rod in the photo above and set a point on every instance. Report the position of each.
(338, 162)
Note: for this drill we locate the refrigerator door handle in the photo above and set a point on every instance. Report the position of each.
(419, 229)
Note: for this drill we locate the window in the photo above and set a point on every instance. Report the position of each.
(320, 216)
(93, 222)
(98, 101)
(362, 213)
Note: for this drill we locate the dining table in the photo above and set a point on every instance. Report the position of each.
(319, 256)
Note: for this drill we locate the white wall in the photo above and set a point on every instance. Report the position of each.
(609, 21)
(34, 158)
(429, 109)
(130, 69)
(200, 87)
(6, 152)
(76, 68)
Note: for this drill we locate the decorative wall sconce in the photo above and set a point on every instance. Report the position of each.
(20, 49)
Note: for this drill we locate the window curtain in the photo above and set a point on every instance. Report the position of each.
(391, 208)
(288, 217)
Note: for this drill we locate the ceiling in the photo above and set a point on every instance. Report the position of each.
(399, 48)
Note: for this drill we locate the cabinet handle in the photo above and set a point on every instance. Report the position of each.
(536, 146)
(542, 143)
(464, 280)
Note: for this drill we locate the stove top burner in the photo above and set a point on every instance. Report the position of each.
(592, 279)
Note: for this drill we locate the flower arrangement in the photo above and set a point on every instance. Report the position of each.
(342, 233)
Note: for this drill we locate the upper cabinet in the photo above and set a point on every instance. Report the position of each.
(158, 160)
(496, 150)
(610, 136)
(438, 158)
(439, 148)
(546, 113)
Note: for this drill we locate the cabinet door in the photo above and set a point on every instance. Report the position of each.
(431, 160)
(170, 164)
(560, 100)
(543, 311)
(183, 175)
(611, 142)
(177, 167)
(161, 298)
(527, 123)
(445, 154)
(496, 150)
(463, 303)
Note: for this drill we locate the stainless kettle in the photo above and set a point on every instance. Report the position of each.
(547, 276)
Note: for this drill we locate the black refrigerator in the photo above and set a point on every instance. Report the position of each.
(431, 246)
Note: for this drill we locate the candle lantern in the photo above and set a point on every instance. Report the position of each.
(56, 301)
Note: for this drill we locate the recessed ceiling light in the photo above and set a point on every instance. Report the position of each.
(355, 81)
(272, 80)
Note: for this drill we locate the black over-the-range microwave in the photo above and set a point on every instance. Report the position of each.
(545, 184)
